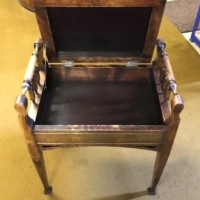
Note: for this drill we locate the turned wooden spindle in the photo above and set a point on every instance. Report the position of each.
(32, 77)
(167, 78)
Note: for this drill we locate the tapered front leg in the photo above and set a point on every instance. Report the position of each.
(169, 89)
(166, 146)
(41, 169)
(35, 152)
(161, 160)
(38, 159)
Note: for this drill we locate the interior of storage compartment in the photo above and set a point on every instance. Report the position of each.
(99, 96)
(99, 31)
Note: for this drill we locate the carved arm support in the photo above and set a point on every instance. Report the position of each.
(167, 82)
(32, 77)
(33, 83)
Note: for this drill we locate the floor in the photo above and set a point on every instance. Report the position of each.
(182, 13)
(94, 173)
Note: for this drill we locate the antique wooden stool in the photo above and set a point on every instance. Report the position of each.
(90, 81)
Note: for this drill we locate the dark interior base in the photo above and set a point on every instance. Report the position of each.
(100, 102)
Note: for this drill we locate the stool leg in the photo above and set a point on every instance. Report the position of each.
(36, 153)
(162, 156)
(41, 170)
(161, 160)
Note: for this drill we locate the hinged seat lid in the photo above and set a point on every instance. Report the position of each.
(117, 29)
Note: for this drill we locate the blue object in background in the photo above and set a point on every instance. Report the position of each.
(193, 37)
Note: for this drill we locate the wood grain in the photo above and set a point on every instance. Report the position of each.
(93, 3)
(45, 30)
(107, 106)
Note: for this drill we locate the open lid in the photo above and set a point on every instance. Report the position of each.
(125, 29)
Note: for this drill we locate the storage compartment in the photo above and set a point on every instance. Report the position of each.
(100, 96)
(90, 81)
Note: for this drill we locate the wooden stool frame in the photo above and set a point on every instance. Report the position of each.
(157, 137)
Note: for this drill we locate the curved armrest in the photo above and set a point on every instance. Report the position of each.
(34, 84)
(167, 81)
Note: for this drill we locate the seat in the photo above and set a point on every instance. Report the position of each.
(90, 102)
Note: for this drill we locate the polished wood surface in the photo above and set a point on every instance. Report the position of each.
(28, 4)
(45, 30)
(109, 106)
(100, 101)
(93, 3)
(108, 31)
(121, 106)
